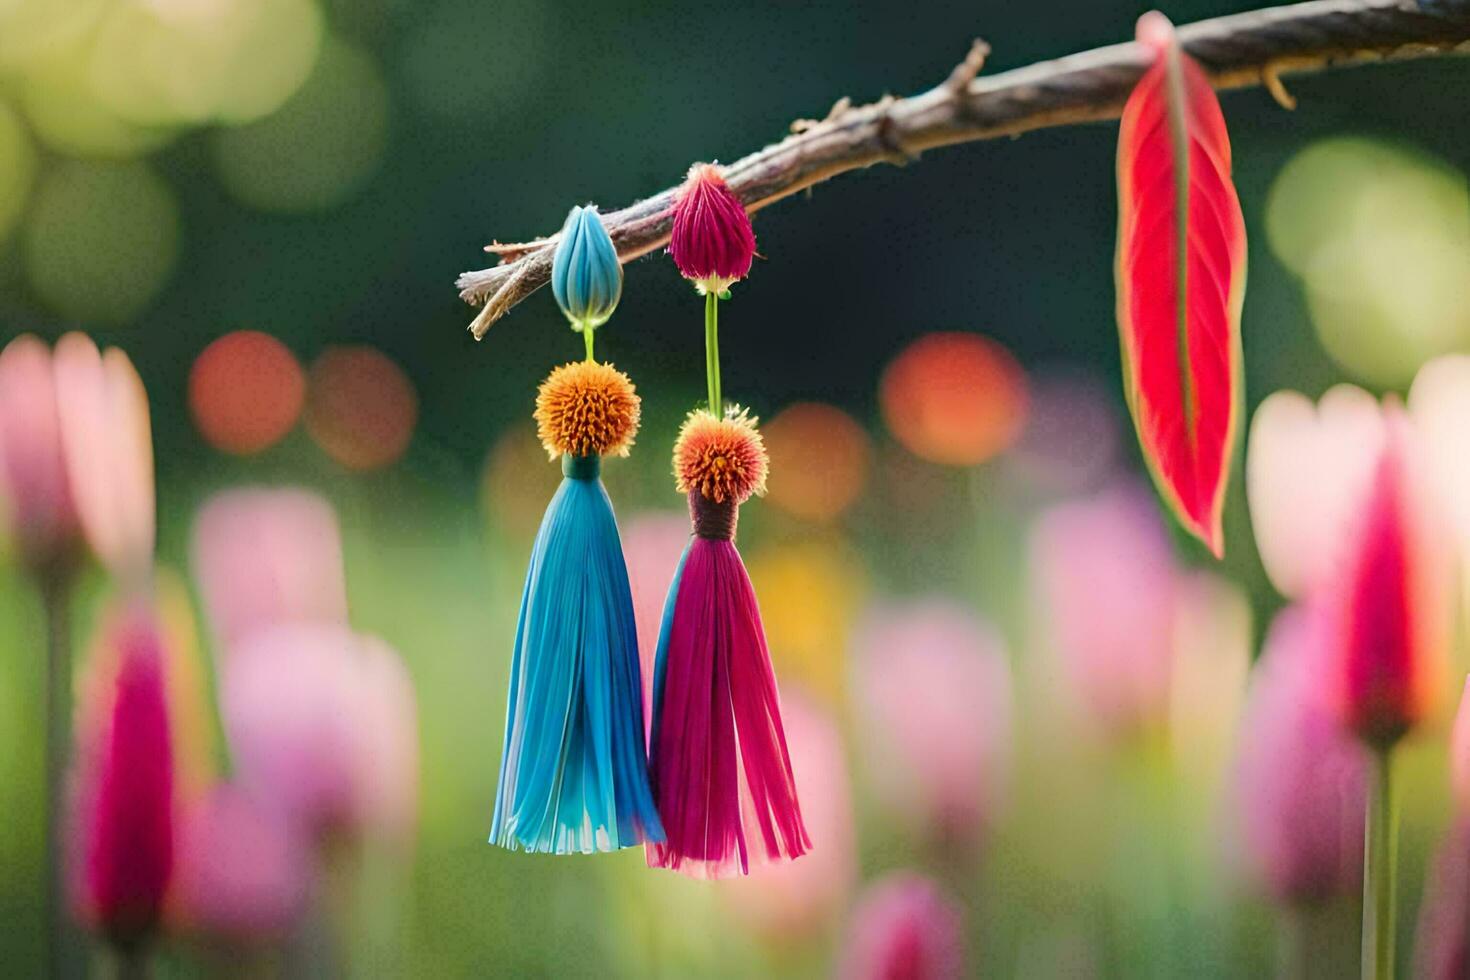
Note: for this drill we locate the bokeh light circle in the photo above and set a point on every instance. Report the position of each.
(318, 149)
(1380, 236)
(820, 458)
(361, 408)
(246, 391)
(100, 240)
(954, 398)
(180, 61)
(69, 118)
(33, 29)
(17, 169)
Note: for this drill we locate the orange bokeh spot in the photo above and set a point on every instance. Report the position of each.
(246, 390)
(820, 459)
(954, 398)
(360, 407)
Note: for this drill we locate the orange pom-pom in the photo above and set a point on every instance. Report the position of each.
(587, 409)
(724, 459)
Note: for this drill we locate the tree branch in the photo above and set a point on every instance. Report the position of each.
(1254, 48)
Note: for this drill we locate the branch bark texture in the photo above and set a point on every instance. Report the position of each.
(1255, 48)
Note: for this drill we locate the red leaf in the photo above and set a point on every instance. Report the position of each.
(1179, 307)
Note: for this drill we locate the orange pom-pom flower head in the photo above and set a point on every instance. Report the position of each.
(724, 459)
(712, 242)
(587, 409)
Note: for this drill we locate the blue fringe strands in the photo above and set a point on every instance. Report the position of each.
(574, 774)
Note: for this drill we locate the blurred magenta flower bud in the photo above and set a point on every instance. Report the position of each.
(904, 926)
(1391, 599)
(586, 276)
(653, 542)
(109, 453)
(35, 495)
(1306, 466)
(785, 899)
(1105, 581)
(712, 242)
(936, 694)
(185, 675)
(125, 817)
(1300, 778)
(1439, 401)
(323, 724)
(242, 869)
(265, 557)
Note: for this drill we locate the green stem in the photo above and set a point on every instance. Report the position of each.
(587, 332)
(712, 351)
(1380, 856)
(56, 596)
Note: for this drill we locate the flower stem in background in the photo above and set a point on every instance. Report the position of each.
(1380, 857)
(56, 596)
(712, 351)
(134, 963)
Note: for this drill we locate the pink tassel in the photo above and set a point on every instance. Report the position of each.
(719, 763)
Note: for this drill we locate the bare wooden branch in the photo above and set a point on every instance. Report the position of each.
(1254, 48)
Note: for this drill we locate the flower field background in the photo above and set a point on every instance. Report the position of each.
(1037, 729)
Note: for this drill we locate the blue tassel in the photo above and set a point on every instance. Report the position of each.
(574, 773)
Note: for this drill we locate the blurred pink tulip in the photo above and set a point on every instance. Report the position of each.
(791, 897)
(1391, 598)
(37, 497)
(243, 874)
(904, 928)
(1105, 579)
(109, 452)
(323, 724)
(1442, 946)
(1306, 466)
(936, 697)
(1440, 405)
(652, 544)
(268, 557)
(125, 791)
(1300, 778)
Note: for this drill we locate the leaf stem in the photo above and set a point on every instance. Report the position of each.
(1380, 857)
(712, 351)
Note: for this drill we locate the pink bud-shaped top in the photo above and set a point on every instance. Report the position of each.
(936, 692)
(109, 452)
(1391, 600)
(264, 557)
(904, 928)
(1105, 581)
(1300, 779)
(243, 869)
(35, 496)
(125, 792)
(785, 899)
(712, 242)
(322, 723)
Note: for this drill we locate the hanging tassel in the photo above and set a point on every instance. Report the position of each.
(574, 774)
(720, 768)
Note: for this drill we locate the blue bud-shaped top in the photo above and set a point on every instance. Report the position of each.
(585, 273)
